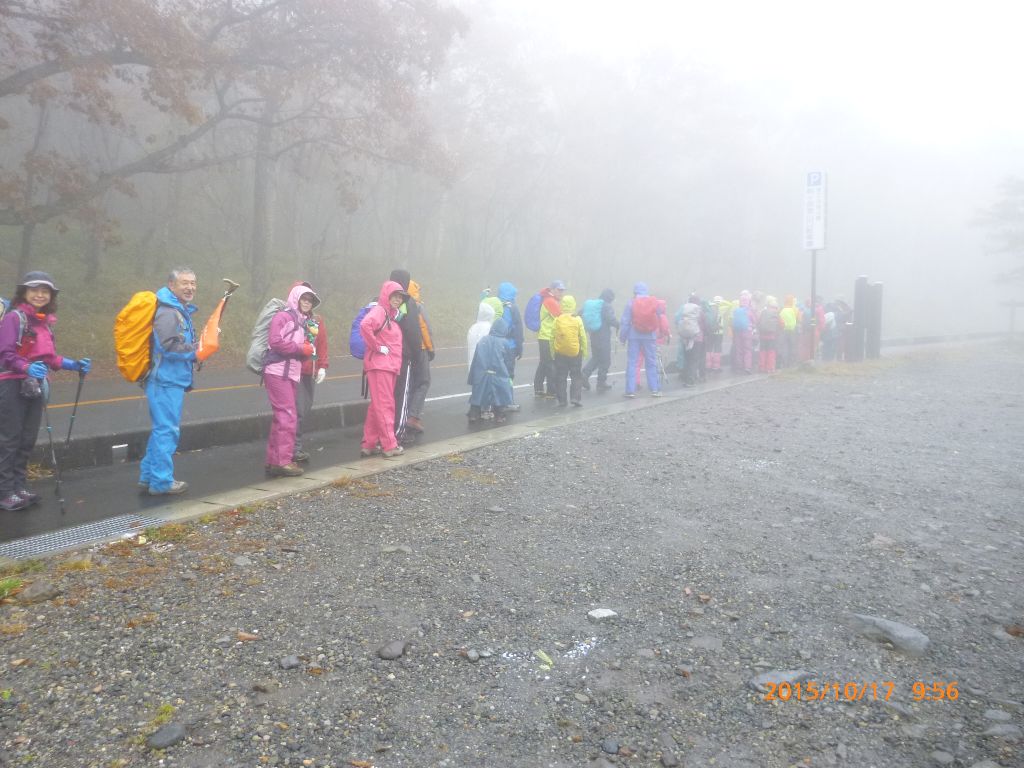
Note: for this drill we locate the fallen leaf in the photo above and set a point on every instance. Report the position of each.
(20, 663)
(704, 598)
(360, 763)
(1016, 630)
(315, 671)
(687, 591)
(468, 614)
(247, 636)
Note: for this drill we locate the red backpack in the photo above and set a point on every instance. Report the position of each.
(645, 314)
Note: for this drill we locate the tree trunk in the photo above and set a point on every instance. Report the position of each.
(261, 221)
(25, 255)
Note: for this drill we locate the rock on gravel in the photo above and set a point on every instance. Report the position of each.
(39, 591)
(393, 650)
(167, 736)
(599, 615)
(902, 636)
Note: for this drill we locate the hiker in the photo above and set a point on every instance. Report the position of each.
(689, 323)
(789, 316)
(742, 335)
(488, 374)
(569, 344)
(314, 371)
(172, 359)
(27, 355)
(289, 347)
(513, 319)
(714, 330)
(412, 345)
(600, 339)
(768, 327)
(420, 370)
(382, 363)
(638, 329)
(550, 308)
(479, 330)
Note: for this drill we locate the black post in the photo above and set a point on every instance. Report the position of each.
(855, 331)
(873, 321)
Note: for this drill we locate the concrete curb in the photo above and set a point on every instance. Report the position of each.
(340, 474)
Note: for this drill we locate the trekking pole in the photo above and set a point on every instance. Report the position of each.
(74, 410)
(53, 456)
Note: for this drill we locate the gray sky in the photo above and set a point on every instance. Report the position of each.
(943, 73)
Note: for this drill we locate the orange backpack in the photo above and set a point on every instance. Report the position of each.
(132, 331)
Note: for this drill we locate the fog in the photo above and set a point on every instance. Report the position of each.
(532, 141)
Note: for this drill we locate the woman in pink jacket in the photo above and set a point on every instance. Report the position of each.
(289, 346)
(383, 338)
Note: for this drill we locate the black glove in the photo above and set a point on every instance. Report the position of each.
(430, 355)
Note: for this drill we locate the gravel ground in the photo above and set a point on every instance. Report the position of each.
(733, 534)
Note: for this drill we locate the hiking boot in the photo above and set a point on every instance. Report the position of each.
(300, 456)
(414, 424)
(12, 503)
(176, 487)
(286, 470)
(396, 451)
(27, 496)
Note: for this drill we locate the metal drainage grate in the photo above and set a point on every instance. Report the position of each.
(66, 538)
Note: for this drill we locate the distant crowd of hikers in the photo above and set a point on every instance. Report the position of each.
(159, 347)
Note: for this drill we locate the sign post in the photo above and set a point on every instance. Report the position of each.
(815, 207)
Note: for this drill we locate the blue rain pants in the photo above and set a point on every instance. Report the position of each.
(157, 467)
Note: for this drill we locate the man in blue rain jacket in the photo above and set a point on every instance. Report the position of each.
(170, 377)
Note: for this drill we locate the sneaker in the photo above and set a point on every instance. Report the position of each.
(396, 451)
(12, 503)
(28, 496)
(414, 424)
(300, 456)
(656, 393)
(603, 387)
(366, 453)
(550, 396)
(586, 385)
(577, 403)
(514, 408)
(176, 487)
(539, 395)
(629, 394)
(285, 470)
(562, 405)
(143, 486)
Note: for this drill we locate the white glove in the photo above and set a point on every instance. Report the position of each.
(385, 351)
(321, 375)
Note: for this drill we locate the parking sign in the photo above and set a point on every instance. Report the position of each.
(814, 211)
